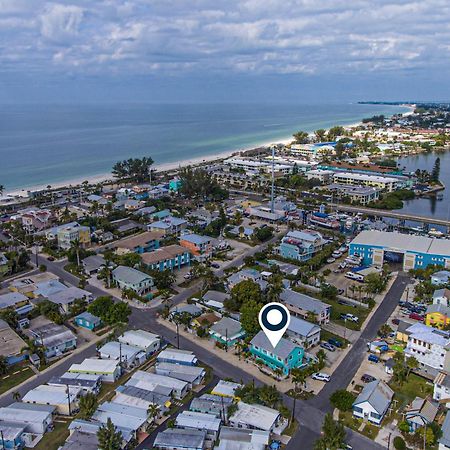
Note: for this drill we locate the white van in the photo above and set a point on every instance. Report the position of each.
(354, 276)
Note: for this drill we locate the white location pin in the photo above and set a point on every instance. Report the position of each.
(274, 319)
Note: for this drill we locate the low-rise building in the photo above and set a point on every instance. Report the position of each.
(301, 305)
(56, 339)
(67, 297)
(93, 264)
(67, 234)
(199, 246)
(128, 355)
(139, 243)
(301, 245)
(146, 341)
(11, 344)
(147, 380)
(192, 420)
(440, 278)
(441, 388)
(362, 195)
(129, 278)
(444, 440)
(242, 439)
(255, 417)
(12, 435)
(284, 357)
(381, 182)
(87, 382)
(13, 300)
(438, 314)
(37, 419)
(244, 275)
(108, 369)
(373, 402)
(170, 257)
(175, 356)
(170, 225)
(421, 412)
(193, 375)
(305, 333)
(179, 439)
(142, 398)
(215, 299)
(88, 321)
(212, 404)
(227, 331)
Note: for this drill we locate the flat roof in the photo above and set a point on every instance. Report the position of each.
(139, 338)
(257, 416)
(198, 421)
(10, 342)
(107, 366)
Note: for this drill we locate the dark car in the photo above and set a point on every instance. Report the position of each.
(336, 342)
(328, 346)
(215, 265)
(416, 316)
(395, 321)
(366, 378)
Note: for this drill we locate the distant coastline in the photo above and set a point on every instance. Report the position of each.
(106, 176)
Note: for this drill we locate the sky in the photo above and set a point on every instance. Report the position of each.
(224, 50)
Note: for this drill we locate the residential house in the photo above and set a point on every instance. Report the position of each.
(256, 417)
(67, 297)
(13, 300)
(193, 375)
(244, 275)
(440, 278)
(227, 331)
(175, 356)
(11, 344)
(108, 369)
(444, 440)
(12, 435)
(205, 320)
(147, 380)
(373, 402)
(56, 339)
(37, 419)
(438, 314)
(146, 341)
(301, 245)
(402, 333)
(88, 321)
(305, 333)
(129, 278)
(68, 234)
(93, 264)
(147, 241)
(35, 219)
(212, 404)
(143, 398)
(215, 299)
(226, 389)
(199, 246)
(128, 355)
(89, 429)
(64, 399)
(180, 439)
(190, 309)
(192, 420)
(170, 225)
(441, 390)
(242, 439)
(170, 257)
(284, 357)
(304, 306)
(175, 184)
(86, 382)
(428, 345)
(421, 412)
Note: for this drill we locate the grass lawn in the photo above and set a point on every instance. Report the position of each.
(55, 438)
(397, 348)
(349, 421)
(413, 387)
(325, 335)
(337, 309)
(291, 429)
(371, 431)
(13, 379)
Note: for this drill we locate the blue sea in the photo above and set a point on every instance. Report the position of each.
(49, 144)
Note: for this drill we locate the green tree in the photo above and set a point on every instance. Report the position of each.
(411, 364)
(108, 437)
(342, 400)
(133, 169)
(3, 365)
(101, 306)
(249, 317)
(88, 405)
(399, 443)
(333, 435)
(16, 396)
(153, 411)
(320, 135)
(375, 283)
(163, 279)
(298, 377)
(328, 291)
(242, 293)
(435, 173)
(301, 137)
(384, 330)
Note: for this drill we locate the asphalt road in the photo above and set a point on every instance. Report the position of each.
(309, 413)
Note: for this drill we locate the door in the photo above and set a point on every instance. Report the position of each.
(410, 261)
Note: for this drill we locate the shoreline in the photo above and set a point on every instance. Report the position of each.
(163, 167)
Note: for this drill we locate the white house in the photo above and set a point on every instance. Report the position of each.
(148, 342)
(128, 355)
(255, 416)
(373, 402)
(108, 369)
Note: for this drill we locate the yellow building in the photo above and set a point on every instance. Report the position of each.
(437, 316)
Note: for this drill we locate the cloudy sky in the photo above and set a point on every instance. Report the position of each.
(224, 50)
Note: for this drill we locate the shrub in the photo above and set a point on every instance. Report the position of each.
(342, 400)
(399, 443)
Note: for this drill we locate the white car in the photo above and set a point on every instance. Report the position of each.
(321, 377)
(331, 260)
(352, 318)
(336, 254)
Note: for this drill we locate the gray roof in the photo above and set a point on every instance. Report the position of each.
(143, 394)
(129, 275)
(81, 441)
(442, 309)
(403, 325)
(210, 403)
(302, 327)
(422, 411)
(216, 296)
(283, 349)
(93, 262)
(179, 438)
(445, 439)
(89, 317)
(378, 394)
(226, 326)
(189, 309)
(303, 301)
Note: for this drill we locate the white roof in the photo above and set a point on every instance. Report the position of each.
(161, 380)
(26, 413)
(256, 416)
(115, 350)
(178, 355)
(198, 421)
(139, 338)
(403, 242)
(106, 366)
(225, 388)
(242, 439)
(365, 177)
(51, 395)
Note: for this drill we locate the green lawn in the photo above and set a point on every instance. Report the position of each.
(337, 309)
(13, 379)
(371, 431)
(325, 335)
(414, 386)
(55, 438)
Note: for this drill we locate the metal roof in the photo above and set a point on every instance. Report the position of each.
(181, 439)
(303, 301)
(130, 275)
(283, 349)
(378, 394)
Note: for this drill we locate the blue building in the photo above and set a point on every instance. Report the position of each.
(301, 245)
(88, 320)
(285, 356)
(12, 435)
(170, 257)
(416, 252)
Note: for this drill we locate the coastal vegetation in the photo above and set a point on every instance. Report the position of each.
(133, 169)
(199, 184)
(393, 200)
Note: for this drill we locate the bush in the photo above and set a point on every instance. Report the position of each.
(342, 400)
(399, 443)
(43, 268)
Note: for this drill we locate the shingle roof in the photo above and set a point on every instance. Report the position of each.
(302, 327)
(283, 349)
(378, 394)
(303, 301)
(130, 275)
(163, 253)
(226, 326)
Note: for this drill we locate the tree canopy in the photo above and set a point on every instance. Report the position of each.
(198, 183)
(135, 169)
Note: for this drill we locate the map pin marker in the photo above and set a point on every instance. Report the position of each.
(274, 319)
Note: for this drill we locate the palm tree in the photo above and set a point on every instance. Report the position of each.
(3, 365)
(76, 246)
(153, 411)
(2, 189)
(88, 405)
(108, 437)
(16, 396)
(298, 377)
(321, 356)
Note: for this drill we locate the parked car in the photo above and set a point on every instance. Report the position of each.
(331, 260)
(416, 316)
(328, 346)
(395, 321)
(373, 358)
(340, 291)
(336, 342)
(352, 318)
(215, 265)
(321, 376)
(366, 378)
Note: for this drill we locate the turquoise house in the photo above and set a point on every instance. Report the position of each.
(285, 356)
(227, 331)
(88, 320)
(175, 184)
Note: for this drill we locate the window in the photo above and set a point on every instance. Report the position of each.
(357, 409)
(375, 415)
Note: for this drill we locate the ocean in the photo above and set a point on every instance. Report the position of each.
(48, 144)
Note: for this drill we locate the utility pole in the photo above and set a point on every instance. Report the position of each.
(178, 337)
(226, 340)
(68, 399)
(273, 181)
